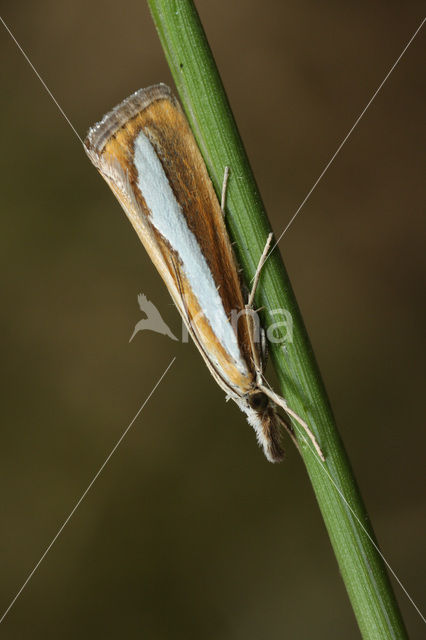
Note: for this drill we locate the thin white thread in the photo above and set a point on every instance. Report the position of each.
(42, 82)
(347, 136)
(282, 234)
(80, 500)
(276, 244)
(330, 477)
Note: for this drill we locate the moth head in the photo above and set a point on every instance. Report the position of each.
(261, 415)
(258, 401)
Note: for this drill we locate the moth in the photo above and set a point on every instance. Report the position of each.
(146, 152)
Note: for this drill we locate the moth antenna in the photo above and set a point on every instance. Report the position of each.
(224, 189)
(249, 308)
(259, 270)
(282, 403)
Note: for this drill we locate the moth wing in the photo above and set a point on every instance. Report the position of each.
(147, 153)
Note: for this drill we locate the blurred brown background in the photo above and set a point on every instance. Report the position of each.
(189, 532)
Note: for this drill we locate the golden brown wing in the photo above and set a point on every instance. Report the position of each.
(145, 150)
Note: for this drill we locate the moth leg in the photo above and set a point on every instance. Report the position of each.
(258, 270)
(224, 190)
(258, 358)
(289, 428)
(254, 329)
(280, 401)
(264, 350)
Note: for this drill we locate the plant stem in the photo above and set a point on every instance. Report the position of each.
(206, 105)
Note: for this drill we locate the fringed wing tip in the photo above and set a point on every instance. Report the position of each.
(101, 131)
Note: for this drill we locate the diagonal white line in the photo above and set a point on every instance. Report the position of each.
(342, 496)
(302, 435)
(42, 82)
(323, 467)
(345, 139)
(84, 494)
(161, 378)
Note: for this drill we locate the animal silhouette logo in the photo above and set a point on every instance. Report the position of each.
(153, 320)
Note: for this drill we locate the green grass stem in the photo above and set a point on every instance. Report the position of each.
(207, 108)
